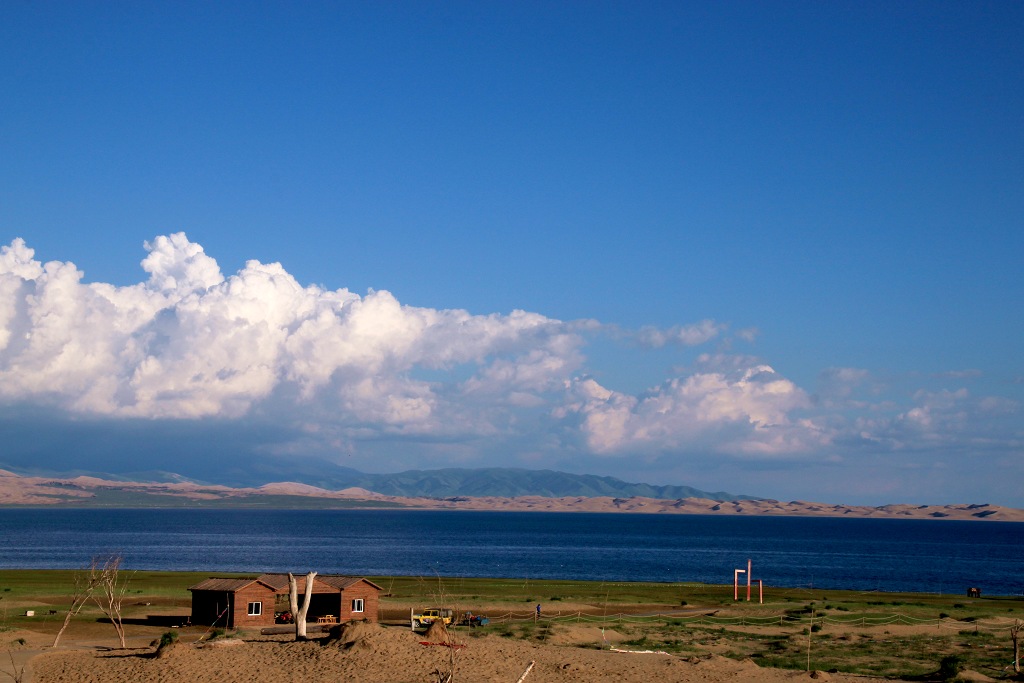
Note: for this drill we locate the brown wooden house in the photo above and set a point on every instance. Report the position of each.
(233, 603)
(252, 603)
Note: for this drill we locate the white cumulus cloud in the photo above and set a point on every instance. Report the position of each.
(341, 369)
(189, 343)
(744, 412)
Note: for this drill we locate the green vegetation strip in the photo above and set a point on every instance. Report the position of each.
(898, 635)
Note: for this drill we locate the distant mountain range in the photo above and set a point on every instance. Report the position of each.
(510, 483)
(86, 491)
(500, 482)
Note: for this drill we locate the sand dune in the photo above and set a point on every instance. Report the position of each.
(17, 490)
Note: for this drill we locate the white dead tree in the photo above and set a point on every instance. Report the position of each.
(85, 584)
(108, 580)
(299, 614)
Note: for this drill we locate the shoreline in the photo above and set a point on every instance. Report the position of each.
(925, 513)
(411, 583)
(18, 492)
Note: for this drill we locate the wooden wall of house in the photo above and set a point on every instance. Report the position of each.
(371, 602)
(255, 592)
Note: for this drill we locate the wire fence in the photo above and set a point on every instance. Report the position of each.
(796, 621)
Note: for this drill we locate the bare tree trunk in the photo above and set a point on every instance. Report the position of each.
(84, 586)
(107, 578)
(293, 597)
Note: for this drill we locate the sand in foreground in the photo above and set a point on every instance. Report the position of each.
(371, 653)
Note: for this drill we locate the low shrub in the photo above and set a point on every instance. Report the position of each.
(974, 634)
(950, 667)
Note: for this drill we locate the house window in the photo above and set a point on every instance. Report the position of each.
(357, 605)
(255, 609)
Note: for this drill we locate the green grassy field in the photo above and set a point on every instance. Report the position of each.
(899, 635)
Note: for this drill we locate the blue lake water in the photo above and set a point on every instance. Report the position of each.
(858, 554)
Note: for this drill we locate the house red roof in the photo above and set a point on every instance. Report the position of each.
(322, 583)
(343, 582)
(226, 585)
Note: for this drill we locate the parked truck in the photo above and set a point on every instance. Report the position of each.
(428, 616)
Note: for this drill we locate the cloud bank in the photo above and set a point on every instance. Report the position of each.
(189, 343)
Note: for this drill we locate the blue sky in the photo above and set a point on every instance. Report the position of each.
(772, 248)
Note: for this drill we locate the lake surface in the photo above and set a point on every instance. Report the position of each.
(858, 554)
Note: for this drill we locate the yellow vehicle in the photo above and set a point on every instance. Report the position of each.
(428, 616)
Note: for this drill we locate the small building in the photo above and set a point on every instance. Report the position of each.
(233, 603)
(253, 603)
(345, 598)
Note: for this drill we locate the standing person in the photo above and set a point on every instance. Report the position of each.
(538, 611)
